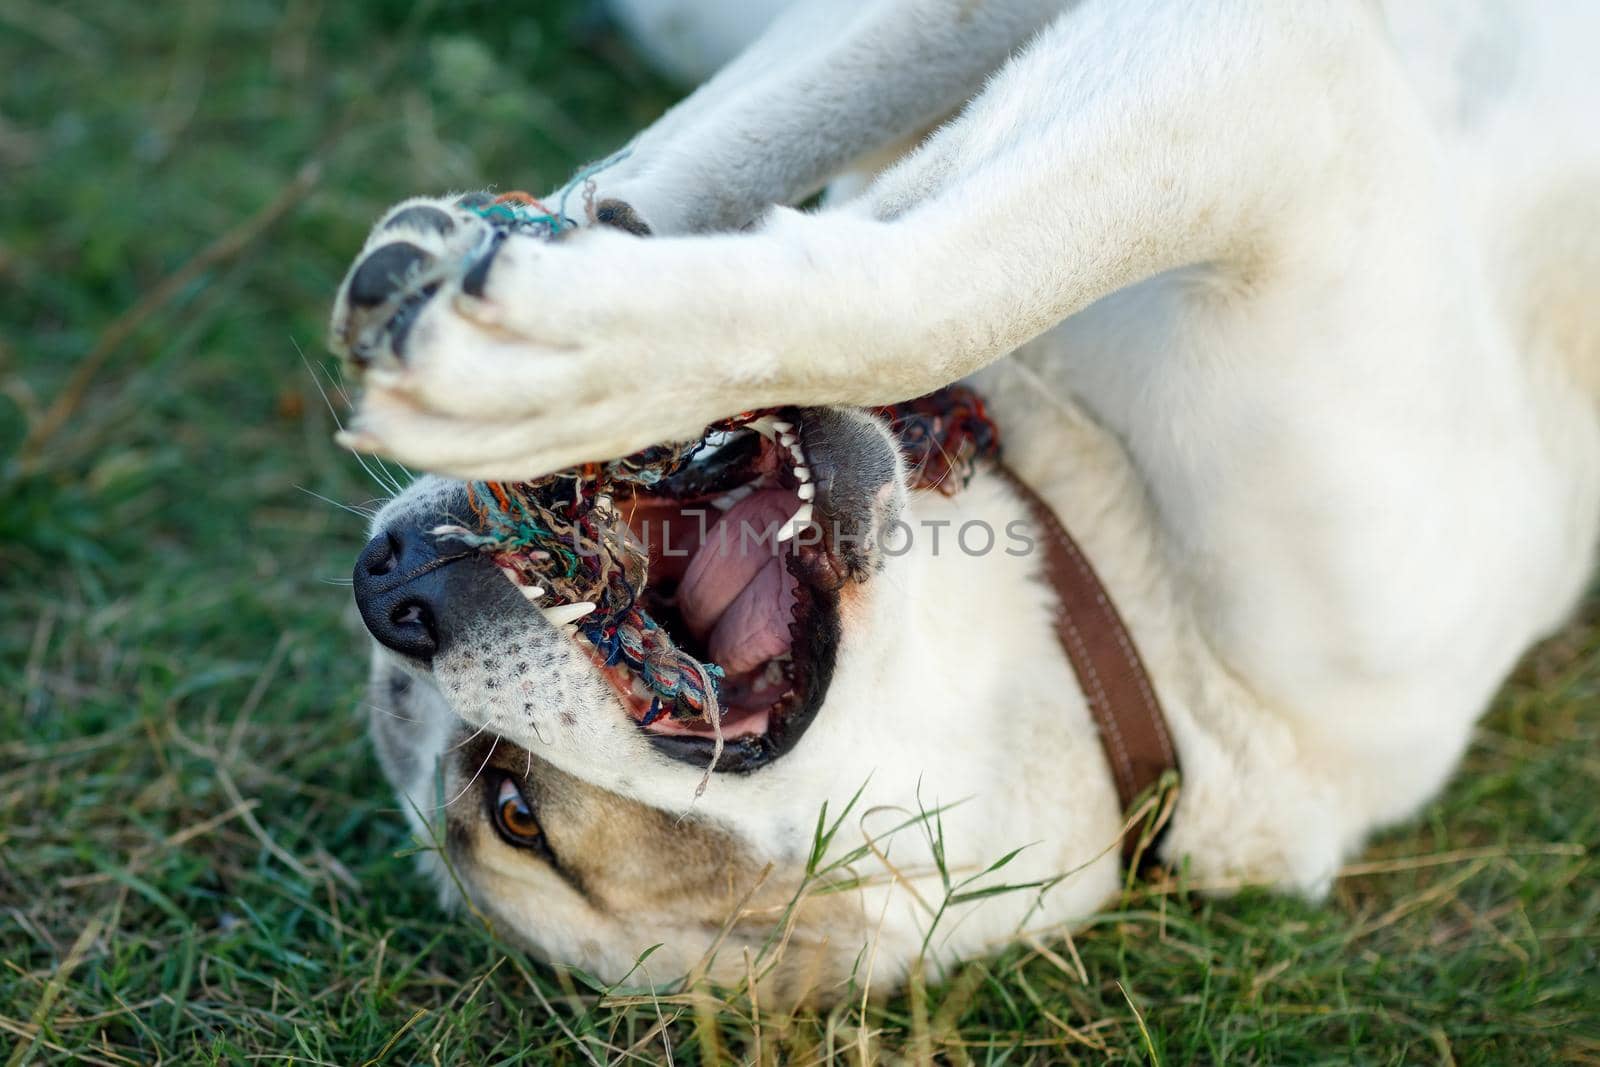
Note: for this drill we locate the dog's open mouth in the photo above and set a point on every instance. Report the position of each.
(738, 569)
(699, 578)
(704, 578)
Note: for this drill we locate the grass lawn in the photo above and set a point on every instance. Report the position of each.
(199, 859)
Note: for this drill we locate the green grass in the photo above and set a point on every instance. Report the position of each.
(199, 860)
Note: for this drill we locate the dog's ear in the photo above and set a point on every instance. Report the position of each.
(619, 215)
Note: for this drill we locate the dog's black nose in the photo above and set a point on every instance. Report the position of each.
(401, 590)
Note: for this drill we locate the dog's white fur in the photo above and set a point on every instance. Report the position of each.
(1307, 349)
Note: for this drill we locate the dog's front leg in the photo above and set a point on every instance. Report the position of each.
(1132, 138)
(829, 82)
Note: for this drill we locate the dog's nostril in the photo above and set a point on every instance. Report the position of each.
(384, 562)
(408, 615)
(410, 629)
(399, 587)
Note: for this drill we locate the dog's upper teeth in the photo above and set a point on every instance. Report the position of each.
(782, 427)
(566, 614)
(786, 438)
(529, 592)
(802, 473)
(732, 497)
(800, 519)
(766, 426)
(715, 441)
(806, 491)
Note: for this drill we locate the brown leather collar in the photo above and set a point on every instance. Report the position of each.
(1113, 677)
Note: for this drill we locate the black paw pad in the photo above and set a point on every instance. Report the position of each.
(473, 281)
(406, 317)
(423, 217)
(384, 272)
(620, 215)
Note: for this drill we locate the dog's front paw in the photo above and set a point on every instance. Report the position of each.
(494, 340)
(415, 249)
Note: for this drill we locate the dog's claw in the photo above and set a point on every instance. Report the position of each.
(479, 342)
(356, 440)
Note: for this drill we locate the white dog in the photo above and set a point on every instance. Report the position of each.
(1289, 309)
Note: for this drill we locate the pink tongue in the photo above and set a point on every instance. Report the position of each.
(737, 549)
(756, 627)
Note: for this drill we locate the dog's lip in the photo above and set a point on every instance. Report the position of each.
(751, 752)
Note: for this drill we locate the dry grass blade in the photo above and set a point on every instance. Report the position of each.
(53, 990)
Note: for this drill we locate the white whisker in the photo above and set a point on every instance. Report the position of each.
(462, 744)
(358, 512)
(387, 473)
(393, 714)
(386, 486)
(476, 776)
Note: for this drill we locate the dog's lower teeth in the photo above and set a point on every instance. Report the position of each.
(806, 491)
(803, 473)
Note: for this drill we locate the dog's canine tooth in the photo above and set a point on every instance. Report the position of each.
(713, 442)
(567, 614)
(529, 592)
(806, 491)
(782, 427)
(800, 519)
(765, 426)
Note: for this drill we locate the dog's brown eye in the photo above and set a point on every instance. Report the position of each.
(514, 818)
